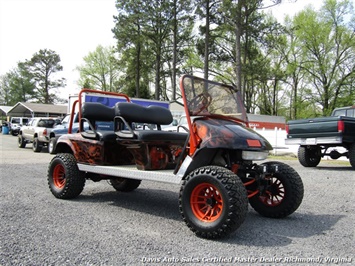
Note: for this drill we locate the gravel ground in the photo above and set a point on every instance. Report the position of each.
(144, 227)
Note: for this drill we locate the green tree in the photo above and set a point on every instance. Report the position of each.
(328, 43)
(17, 85)
(182, 25)
(130, 46)
(100, 70)
(151, 40)
(5, 90)
(42, 67)
(238, 55)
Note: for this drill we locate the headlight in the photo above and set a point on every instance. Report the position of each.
(254, 155)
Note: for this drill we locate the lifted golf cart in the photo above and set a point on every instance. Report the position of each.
(213, 162)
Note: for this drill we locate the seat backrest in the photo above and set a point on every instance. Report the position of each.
(97, 112)
(152, 114)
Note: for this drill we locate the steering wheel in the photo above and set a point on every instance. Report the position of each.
(200, 102)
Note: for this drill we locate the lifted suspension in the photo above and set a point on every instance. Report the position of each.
(255, 177)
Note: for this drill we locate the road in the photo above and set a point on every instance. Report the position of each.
(144, 227)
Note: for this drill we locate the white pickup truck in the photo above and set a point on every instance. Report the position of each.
(37, 132)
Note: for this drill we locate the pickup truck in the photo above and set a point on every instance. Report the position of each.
(319, 137)
(37, 132)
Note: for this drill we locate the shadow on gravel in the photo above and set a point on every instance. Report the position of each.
(155, 202)
(255, 231)
(335, 168)
(264, 232)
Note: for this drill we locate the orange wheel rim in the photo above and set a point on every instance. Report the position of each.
(59, 176)
(206, 202)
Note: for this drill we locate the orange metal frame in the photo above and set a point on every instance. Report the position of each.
(80, 103)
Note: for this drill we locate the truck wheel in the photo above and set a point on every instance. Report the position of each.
(64, 178)
(281, 193)
(51, 145)
(21, 141)
(37, 145)
(213, 202)
(124, 184)
(309, 156)
(352, 155)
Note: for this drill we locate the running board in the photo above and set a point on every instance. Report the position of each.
(131, 171)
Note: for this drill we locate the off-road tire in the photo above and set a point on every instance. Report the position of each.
(283, 196)
(352, 155)
(51, 145)
(124, 184)
(64, 178)
(309, 156)
(222, 193)
(37, 145)
(21, 141)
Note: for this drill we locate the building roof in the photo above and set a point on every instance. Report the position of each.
(36, 109)
(4, 109)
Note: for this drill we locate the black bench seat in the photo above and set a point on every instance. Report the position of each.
(124, 115)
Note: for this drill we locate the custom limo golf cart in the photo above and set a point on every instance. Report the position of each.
(213, 162)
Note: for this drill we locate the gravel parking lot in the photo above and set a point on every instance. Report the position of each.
(144, 227)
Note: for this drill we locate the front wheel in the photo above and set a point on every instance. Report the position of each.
(213, 202)
(51, 145)
(64, 178)
(281, 193)
(309, 156)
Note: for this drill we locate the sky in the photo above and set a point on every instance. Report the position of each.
(72, 29)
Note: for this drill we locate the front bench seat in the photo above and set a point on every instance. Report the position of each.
(130, 113)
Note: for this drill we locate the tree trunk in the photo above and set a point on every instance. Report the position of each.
(207, 40)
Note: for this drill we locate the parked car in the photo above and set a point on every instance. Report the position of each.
(37, 132)
(178, 126)
(319, 137)
(16, 123)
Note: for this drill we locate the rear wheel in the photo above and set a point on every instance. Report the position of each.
(213, 202)
(352, 155)
(309, 156)
(37, 145)
(51, 145)
(64, 178)
(280, 194)
(124, 184)
(21, 141)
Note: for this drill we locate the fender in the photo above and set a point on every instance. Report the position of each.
(227, 134)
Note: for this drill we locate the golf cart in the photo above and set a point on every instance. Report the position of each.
(213, 161)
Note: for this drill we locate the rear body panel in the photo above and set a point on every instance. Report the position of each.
(321, 131)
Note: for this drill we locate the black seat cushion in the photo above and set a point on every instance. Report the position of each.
(152, 114)
(97, 111)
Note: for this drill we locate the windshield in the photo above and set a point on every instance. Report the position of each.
(204, 97)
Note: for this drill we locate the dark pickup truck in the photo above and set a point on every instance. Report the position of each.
(318, 136)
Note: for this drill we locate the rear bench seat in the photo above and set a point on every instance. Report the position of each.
(125, 114)
(129, 113)
(151, 149)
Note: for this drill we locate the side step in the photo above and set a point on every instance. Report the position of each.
(130, 171)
